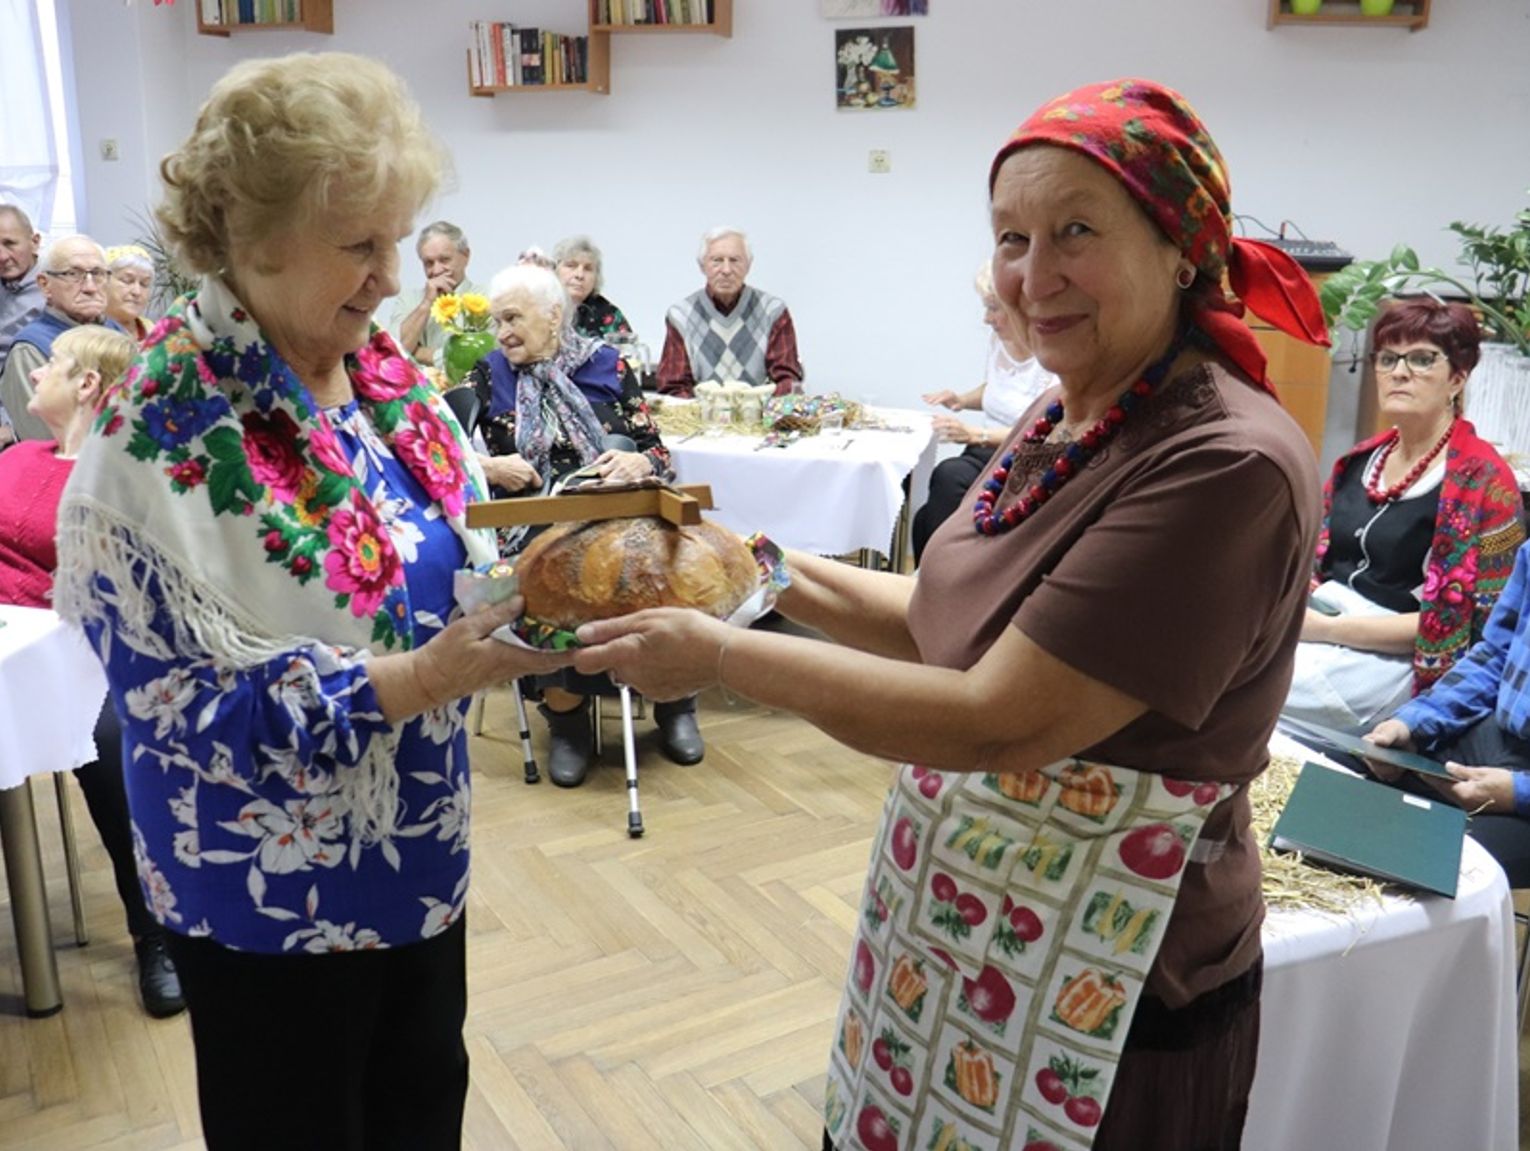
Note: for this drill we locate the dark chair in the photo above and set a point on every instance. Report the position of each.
(465, 405)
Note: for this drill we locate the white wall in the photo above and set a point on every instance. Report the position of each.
(1364, 136)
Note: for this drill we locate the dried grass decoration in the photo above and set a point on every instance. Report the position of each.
(1290, 883)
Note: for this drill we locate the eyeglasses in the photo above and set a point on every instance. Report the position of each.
(1419, 360)
(75, 275)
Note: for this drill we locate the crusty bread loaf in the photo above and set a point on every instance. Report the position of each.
(574, 573)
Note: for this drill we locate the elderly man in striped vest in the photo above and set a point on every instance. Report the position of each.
(728, 330)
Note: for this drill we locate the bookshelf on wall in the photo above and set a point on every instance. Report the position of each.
(714, 17)
(225, 17)
(1409, 14)
(499, 52)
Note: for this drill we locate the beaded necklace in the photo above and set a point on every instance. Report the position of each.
(1381, 495)
(1078, 453)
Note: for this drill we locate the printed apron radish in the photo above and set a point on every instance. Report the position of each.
(1007, 929)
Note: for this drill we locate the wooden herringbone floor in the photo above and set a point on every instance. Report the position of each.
(674, 991)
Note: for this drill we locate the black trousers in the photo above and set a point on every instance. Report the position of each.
(948, 488)
(351, 1051)
(106, 799)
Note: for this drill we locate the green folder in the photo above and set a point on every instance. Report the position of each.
(1355, 824)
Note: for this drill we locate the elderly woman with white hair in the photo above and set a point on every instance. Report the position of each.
(130, 288)
(581, 267)
(260, 536)
(555, 401)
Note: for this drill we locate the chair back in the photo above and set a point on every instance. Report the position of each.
(465, 405)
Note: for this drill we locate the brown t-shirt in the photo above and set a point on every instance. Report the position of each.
(1174, 568)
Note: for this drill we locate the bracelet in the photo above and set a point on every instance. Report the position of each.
(722, 654)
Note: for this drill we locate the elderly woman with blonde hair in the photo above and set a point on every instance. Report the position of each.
(130, 288)
(261, 536)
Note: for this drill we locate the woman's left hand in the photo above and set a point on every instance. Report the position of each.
(950, 430)
(1486, 789)
(665, 653)
(623, 467)
(1318, 628)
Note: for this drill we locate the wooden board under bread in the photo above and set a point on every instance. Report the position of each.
(681, 504)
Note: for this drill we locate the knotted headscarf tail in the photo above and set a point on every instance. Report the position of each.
(1150, 139)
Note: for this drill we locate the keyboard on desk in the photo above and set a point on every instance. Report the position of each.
(1315, 255)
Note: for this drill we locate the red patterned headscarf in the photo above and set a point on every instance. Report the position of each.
(1150, 139)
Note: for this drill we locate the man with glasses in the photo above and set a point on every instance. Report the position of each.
(21, 300)
(73, 280)
(728, 330)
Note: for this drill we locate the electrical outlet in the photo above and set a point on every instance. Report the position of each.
(879, 160)
(109, 150)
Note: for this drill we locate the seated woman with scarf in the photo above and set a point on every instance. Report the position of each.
(555, 402)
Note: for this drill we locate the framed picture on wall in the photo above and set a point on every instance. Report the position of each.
(871, 9)
(874, 68)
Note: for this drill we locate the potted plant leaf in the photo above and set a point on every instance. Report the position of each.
(1496, 283)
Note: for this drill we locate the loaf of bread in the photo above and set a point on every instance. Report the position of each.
(574, 573)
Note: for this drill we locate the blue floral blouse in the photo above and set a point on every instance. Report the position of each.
(239, 827)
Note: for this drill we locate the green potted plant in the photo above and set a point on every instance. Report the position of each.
(1496, 282)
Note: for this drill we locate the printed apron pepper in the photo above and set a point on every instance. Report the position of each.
(1007, 929)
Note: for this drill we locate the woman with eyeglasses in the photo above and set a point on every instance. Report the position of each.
(1420, 525)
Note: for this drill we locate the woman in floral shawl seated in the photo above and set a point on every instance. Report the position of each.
(260, 536)
(1420, 526)
(555, 401)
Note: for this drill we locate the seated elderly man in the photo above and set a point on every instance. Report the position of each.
(444, 255)
(728, 330)
(1477, 720)
(73, 281)
(21, 300)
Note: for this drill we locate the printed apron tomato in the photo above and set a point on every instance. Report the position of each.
(1007, 929)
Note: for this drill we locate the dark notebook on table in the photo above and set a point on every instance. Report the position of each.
(1356, 824)
(1331, 739)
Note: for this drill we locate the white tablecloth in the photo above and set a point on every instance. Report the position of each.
(51, 688)
(1394, 1031)
(829, 494)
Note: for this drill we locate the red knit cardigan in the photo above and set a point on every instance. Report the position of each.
(1476, 532)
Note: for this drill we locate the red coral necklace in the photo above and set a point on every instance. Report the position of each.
(1381, 495)
(1074, 457)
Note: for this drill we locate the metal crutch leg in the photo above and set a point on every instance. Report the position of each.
(71, 858)
(480, 702)
(629, 752)
(527, 757)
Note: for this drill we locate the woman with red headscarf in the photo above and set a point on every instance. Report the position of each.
(1058, 942)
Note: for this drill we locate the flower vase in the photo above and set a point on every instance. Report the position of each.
(463, 351)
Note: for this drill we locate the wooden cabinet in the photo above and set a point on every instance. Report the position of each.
(1300, 374)
(1409, 14)
(313, 16)
(598, 57)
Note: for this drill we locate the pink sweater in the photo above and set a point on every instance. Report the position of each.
(32, 480)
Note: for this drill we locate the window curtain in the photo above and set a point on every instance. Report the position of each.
(28, 161)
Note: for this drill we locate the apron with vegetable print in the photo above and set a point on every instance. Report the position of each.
(1007, 929)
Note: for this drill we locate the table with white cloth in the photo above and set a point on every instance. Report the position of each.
(828, 494)
(51, 690)
(1394, 1029)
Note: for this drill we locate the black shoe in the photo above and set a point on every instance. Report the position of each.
(571, 746)
(158, 983)
(678, 734)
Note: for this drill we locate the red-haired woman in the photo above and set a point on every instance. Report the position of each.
(1420, 525)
